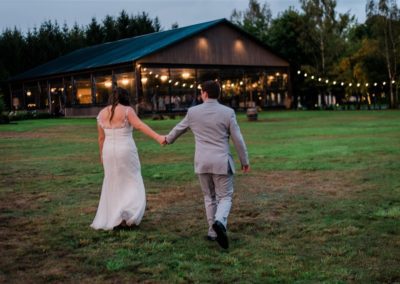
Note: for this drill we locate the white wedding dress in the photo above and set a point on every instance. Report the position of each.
(123, 194)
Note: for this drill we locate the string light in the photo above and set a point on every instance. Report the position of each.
(334, 82)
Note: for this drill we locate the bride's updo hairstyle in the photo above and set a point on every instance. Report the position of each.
(119, 96)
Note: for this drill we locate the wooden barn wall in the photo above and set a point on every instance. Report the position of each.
(220, 45)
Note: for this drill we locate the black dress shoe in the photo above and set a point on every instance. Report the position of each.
(209, 238)
(222, 238)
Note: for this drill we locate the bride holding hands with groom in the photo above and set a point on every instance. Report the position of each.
(123, 201)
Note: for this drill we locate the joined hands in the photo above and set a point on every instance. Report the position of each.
(162, 140)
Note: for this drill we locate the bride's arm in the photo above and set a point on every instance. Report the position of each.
(135, 121)
(101, 137)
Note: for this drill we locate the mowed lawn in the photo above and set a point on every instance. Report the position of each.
(321, 204)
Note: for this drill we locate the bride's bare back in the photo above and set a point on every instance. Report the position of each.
(118, 120)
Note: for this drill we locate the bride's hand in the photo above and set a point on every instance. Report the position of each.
(161, 139)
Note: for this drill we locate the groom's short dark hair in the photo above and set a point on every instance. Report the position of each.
(212, 88)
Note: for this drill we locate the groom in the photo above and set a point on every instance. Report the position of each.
(212, 125)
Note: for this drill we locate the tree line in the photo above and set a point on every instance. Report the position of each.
(20, 52)
(316, 40)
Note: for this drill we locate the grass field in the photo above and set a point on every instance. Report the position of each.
(321, 204)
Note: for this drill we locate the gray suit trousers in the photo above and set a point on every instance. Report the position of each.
(218, 191)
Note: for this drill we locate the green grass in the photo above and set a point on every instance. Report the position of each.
(321, 204)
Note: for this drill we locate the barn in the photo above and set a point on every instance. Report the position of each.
(162, 72)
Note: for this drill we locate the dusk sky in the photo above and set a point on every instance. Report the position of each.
(26, 14)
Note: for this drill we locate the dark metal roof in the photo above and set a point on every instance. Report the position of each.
(116, 52)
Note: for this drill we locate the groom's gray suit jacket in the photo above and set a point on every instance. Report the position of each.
(212, 124)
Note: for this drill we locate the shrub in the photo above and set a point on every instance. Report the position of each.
(24, 114)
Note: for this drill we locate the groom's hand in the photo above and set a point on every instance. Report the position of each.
(165, 142)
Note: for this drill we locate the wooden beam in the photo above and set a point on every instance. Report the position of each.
(139, 90)
(49, 96)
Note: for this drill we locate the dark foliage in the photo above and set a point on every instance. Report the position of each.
(20, 52)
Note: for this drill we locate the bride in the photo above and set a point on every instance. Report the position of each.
(123, 200)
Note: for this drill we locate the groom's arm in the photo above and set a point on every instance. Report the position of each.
(238, 141)
(178, 130)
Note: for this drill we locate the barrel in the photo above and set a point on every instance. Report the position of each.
(252, 114)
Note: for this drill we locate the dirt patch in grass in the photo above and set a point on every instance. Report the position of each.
(50, 132)
(25, 135)
(330, 183)
(261, 200)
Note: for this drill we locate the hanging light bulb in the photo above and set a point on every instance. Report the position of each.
(185, 75)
